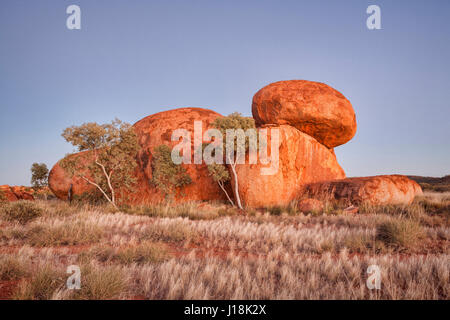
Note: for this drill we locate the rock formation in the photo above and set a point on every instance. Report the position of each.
(59, 182)
(377, 190)
(153, 131)
(312, 118)
(302, 160)
(15, 193)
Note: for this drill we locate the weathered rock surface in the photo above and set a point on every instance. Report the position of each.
(153, 131)
(15, 193)
(302, 160)
(376, 190)
(310, 205)
(59, 182)
(156, 130)
(312, 107)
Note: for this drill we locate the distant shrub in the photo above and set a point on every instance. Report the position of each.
(39, 175)
(400, 232)
(21, 211)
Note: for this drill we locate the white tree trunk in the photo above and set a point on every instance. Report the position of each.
(236, 186)
(99, 188)
(226, 193)
(108, 180)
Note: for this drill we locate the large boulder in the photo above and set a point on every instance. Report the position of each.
(312, 107)
(59, 182)
(302, 160)
(153, 131)
(156, 130)
(377, 190)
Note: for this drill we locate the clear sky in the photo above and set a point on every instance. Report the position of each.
(133, 58)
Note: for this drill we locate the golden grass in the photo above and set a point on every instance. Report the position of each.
(211, 251)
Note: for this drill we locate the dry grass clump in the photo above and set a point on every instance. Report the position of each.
(363, 243)
(436, 203)
(12, 268)
(169, 230)
(414, 210)
(20, 211)
(44, 282)
(55, 209)
(191, 210)
(400, 232)
(63, 234)
(99, 283)
(142, 253)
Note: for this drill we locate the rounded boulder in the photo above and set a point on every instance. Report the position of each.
(312, 107)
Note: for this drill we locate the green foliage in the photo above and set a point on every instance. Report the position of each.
(112, 161)
(21, 211)
(219, 172)
(234, 121)
(39, 175)
(167, 176)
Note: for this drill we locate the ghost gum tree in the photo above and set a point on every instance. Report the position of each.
(111, 161)
(236, 143)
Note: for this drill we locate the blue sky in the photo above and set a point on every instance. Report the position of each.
(135, 58)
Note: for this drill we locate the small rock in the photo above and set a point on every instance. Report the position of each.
(351, 210)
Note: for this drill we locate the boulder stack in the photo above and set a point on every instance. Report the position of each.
(311, 118)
